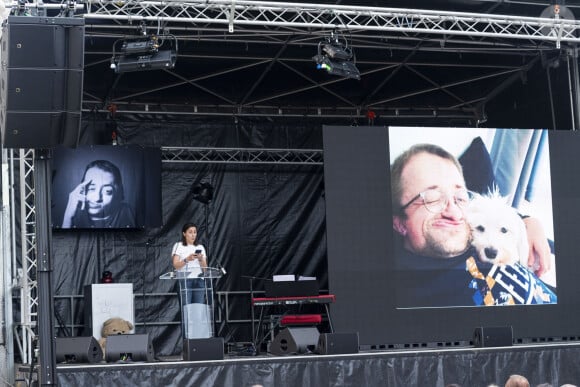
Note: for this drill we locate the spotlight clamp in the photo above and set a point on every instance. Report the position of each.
(149, 44)
(336, 51)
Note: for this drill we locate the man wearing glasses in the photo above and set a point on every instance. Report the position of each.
(429, 195)
(429, 198)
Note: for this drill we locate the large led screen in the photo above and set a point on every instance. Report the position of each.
(472, 217)
(427, 257)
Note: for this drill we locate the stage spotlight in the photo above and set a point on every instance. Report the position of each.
(158, 60)
(145, 53)
(203, 193)
(336, 58)
(341, 68)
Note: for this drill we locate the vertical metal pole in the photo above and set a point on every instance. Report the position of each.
(254, 334)
(574, 54)
(6, 334)
(47, 358)
(573, 93)
(551, 97)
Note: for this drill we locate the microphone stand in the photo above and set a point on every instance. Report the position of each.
(209, 290)
(208, 296)
(254, 338)
(143, 303)
(204, 195)
(148, 244)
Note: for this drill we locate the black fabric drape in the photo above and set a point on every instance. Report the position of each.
(438, 368)
(262, 220)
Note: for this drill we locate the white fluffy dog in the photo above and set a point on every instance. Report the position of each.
(498, 232)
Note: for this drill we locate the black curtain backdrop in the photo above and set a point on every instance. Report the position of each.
(263, 220)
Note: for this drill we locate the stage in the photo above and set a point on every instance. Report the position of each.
(554, 363)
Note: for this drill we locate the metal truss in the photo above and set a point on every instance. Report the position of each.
(354, 115)
(286, 30)
(335, 17)
(242, 156)
(26, 277)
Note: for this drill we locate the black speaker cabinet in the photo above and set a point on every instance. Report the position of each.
(337, 343)
(295, 341)
(132, 347)
(493, 337)
(42, 85)
(78, 350)
(203, 349)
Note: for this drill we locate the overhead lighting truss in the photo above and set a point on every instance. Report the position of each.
(336, 17)
(242, 156)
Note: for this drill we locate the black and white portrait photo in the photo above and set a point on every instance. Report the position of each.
(99, 187)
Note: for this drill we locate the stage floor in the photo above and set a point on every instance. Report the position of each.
(556, 364)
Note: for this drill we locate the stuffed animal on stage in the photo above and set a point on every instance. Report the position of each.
(114, 326)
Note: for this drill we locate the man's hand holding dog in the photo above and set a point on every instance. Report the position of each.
(539, 255)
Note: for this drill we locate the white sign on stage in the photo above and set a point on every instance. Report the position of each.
(103, 301)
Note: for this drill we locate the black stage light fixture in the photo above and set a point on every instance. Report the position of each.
(343, 68)
(336, 58)
(159, 60)
(145, 53)
(203, 193)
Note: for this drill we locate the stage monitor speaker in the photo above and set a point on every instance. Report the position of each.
(203, 349)
(337, 343)
(493, 337)
(78, 350)
(131, 347)
(293, 340)
(42, 85)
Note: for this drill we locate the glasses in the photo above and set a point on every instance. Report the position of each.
(435, 200)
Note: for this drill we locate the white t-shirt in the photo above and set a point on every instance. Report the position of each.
(191, 267)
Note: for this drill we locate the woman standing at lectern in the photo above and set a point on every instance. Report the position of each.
(189, 260)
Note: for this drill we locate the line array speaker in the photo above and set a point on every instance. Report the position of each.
(203, 349)
(493, 336)
(42, 85)
(295, 341)
(337, 343)
(78, 350)
(132, 347)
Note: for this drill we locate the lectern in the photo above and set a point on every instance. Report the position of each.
(196, 318)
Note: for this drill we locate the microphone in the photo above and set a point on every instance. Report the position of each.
(221, 267)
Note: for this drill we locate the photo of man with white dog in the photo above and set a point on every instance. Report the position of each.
(458, 240)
